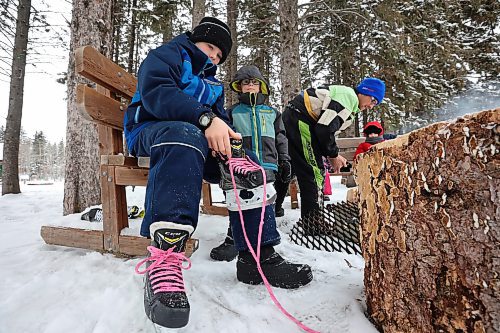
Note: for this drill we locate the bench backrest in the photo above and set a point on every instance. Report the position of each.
(347, 146)
(106, 104)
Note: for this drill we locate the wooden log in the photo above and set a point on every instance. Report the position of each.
(430, 208)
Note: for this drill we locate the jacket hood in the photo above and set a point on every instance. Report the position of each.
(250, 72)
(375, 127)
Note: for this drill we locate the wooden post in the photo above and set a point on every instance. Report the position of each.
(293, 194)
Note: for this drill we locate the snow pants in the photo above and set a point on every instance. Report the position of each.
(179, 161)
(307, 162)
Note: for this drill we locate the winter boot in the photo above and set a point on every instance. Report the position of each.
(226, 251)
(279, 272)
(165, 299)
(93, 215)
(133, 212)
(279, 212)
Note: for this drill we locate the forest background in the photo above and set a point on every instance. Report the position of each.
(428, 52)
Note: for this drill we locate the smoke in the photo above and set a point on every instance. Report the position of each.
(480, 96)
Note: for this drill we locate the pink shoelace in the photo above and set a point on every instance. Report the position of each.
(245, 165)
(165, 271)
(242, 165)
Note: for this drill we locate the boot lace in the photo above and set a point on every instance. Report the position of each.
(242, 165)
(165, 270)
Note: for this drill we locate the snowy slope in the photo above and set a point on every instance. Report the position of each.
(56, 289)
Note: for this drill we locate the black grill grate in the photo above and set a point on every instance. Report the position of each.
(334, 228)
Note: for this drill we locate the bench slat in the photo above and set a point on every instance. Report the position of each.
(131, 176)
(93, 240)
(100, 108)
(73, 237)
(349, 143)
(120, 160)
(137, 246)
(101, 70)
(348, 155)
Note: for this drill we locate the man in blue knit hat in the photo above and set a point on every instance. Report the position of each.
(312, 121)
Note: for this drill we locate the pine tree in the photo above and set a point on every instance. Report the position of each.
(289, 50)
(10, 168)
(81, 182)
(39, 162)
(258, 32)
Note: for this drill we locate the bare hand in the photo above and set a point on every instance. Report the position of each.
(218, 134)
(337, 163)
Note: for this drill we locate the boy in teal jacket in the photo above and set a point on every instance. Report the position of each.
(263, 133)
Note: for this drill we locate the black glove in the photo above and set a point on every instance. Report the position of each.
(285, 171)
(347, 168)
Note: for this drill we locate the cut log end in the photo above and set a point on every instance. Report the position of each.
(429, 214)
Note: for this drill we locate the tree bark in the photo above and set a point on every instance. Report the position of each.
(289, 50)
(430, 208)
(131, 38)
(198, 12)
(10, 181)
(232, 60)
(90, 25)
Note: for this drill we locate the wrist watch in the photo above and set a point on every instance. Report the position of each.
(206, 118)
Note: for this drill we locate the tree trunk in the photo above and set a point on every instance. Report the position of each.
(10, 181)
(90, 25)
(430, 208)
(232, 60)
(131, 38)
(289, 50)
(198, 12)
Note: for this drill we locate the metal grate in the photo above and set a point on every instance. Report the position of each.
(334, 228)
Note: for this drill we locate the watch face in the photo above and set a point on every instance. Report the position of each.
(204, 120)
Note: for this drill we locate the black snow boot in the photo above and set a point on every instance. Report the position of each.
(226, 251)
(279, 212)
(279, 272)
(165, 299)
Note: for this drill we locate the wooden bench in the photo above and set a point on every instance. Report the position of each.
(105, 105)
(347, 148)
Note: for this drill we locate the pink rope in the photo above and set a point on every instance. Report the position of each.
(246, 164)
(165, 271)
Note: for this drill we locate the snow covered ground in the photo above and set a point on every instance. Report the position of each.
(56, 289)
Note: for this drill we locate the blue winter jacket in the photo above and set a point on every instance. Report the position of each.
(175, 83)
